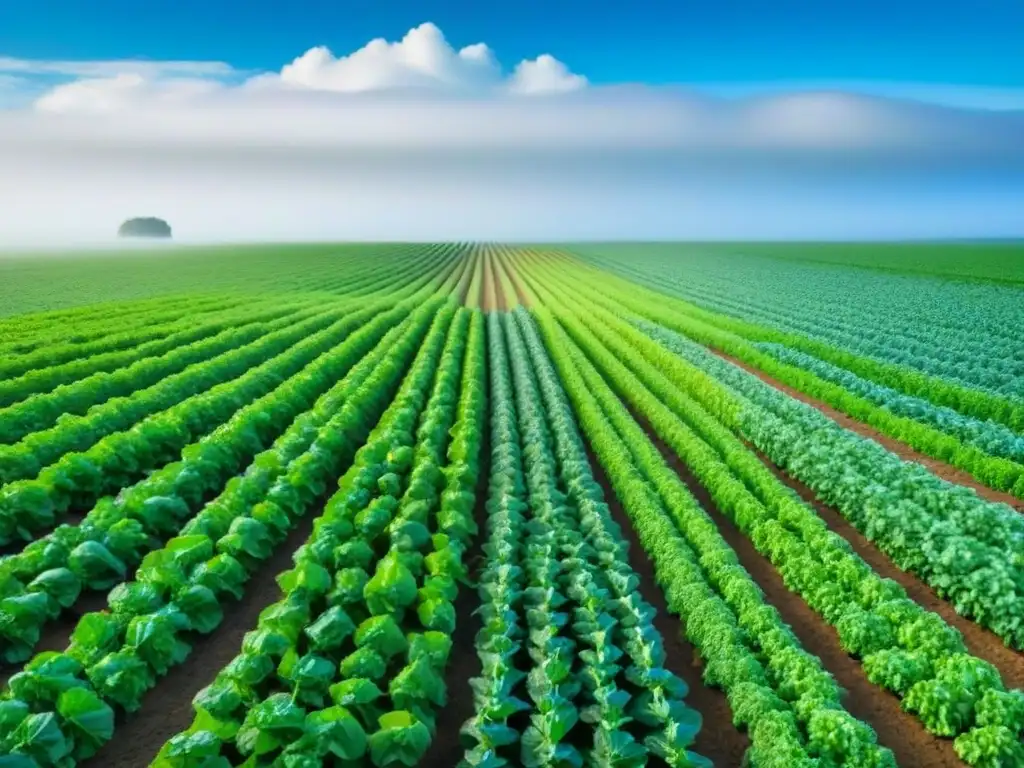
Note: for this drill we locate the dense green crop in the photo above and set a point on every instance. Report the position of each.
(321, 541)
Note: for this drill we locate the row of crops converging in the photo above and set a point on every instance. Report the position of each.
(482, 505)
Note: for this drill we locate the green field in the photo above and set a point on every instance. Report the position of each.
(456, 504)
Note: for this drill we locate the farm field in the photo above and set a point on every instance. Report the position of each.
(488, 505)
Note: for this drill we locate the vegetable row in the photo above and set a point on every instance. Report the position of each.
(114, 536)
(993, 471)
(566, 640)
(904, 648)
(81, 458)
(350, 661)
(780, 693)
(117, 655)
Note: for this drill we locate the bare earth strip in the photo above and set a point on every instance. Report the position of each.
(945, 471)
(513, 275)
(900, 731)
(167, 708)
(980, 642)
(463, 662)
(718, 740)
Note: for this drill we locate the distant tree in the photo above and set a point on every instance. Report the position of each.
(147, 226)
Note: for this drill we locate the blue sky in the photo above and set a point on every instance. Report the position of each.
(962, 43)
(529, 120)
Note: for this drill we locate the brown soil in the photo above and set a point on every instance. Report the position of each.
(980, 642)
(463, 663)
(942, 469)
(900, 731)
(718, 740)
(167, 708)
(513, 275)
(493, 267)
(489, 295)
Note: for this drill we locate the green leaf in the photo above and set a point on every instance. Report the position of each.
(401, 740)
(155, 640)
(90, 719)
(192, 749)
(308, 576)
(392, 587)
(383, 635)
(334, 731)
(62, 586)
(329, 632)
(435, 646)
(21, 617)
(364, 662)
(269, 725)
(39, 736)
(122, 678)
(417, 684)
(201, 606)
(94, 564)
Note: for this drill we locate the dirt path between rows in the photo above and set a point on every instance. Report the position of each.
(980, 642)
(491, 296)
(464, 663)
(513, 275)
(501, 300)
(718, 740)
(946, 471)
(900, 731)
(167, 708)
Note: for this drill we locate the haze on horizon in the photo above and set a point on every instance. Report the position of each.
(416, 139)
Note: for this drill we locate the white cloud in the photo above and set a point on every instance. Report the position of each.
(545, 74)
(415, 138)
(115, 67)
(122, 92)
(421, 62)
(421, 59)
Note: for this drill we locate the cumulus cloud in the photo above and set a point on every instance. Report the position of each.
(421, 59)
(545, 74)
(416, 138)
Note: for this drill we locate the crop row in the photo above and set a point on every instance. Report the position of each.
(68, 341)
(962, 545)
(567, 640)
(738, 337)
(904, 648)
(81, 458)
(351, 659)
(993, 471)
(788, 702)
(114, 536)
(42, 410)
(994, 439)
(116, 655)
(962, 333)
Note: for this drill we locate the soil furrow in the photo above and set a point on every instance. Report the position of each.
(946, 471)
(900, 731)
(513, 275)
(980, 641)
(463, 663)
(167, 708)
(494, 280)
(718, 740)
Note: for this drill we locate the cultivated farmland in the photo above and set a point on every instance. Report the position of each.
(484, 505)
